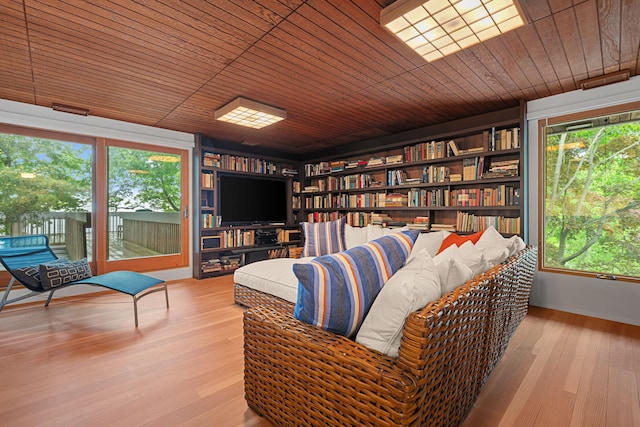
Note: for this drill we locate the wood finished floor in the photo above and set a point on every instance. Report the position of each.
(81, 362)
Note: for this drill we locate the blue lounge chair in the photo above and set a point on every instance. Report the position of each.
(17, 253)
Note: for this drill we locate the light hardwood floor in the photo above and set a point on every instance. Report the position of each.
(81, 362)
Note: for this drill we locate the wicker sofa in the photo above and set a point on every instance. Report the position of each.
(299, 375)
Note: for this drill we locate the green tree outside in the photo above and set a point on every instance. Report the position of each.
(39, 175)
(592, 200)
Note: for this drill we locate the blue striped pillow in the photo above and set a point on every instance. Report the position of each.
(336, 291)
(323, 238)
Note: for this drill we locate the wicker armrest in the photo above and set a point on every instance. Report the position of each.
(291, 366)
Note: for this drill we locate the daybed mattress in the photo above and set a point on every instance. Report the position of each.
(271, 276)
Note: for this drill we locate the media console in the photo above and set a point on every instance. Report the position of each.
(246, 210)
(224, 249)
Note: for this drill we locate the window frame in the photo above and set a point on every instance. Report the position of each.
(99, 215)
(542, 125)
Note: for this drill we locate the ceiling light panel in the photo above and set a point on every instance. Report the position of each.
(245, 112)
(435, 28)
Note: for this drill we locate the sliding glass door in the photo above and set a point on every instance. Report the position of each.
(46, 188)
(145, 209)
(121, 205)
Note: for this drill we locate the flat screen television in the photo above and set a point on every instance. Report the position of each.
(247, 200)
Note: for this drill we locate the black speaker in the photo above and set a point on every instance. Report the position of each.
(266, 237)
(210, 242)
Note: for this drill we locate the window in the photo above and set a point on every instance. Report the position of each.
(144, 199)
(119, 204)
(45, 188)
(590, 198)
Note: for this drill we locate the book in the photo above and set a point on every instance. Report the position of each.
(454, 147)
(375, 161)
(446, 227)
(392, 160)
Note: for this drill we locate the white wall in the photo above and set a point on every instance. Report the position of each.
(32, 116)
(606, 299)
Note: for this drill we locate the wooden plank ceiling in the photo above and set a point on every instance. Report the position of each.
(339, 75)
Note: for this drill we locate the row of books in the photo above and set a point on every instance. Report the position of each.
(278, 253)
(443, 227)
(454, 150)
(355, 219)
(296, 202)
(422, 198)
(323, 216)
(210, 220)
(425, 151)
(468, 222)
(347, 182)
(492, 140)
(245, 164)
(237, 238)
(504, 168)
(364, 200)
(501, 195)
(419, 223)
(206, 180)
(395, 200)
(472, 168)
(227, 262)
(502, 139)
(321, 168)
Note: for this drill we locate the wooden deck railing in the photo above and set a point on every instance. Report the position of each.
(70, 232)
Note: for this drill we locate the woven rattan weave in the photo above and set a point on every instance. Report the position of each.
(299, 375)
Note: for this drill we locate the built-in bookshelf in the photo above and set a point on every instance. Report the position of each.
(220, 247)
(461, 176)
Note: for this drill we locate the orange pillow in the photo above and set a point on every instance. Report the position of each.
(458, 240)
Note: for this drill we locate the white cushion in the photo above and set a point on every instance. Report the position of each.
(386, 231)
(374, 232)
(452, 271)
(473, 258)
(409, 289)
(517, 245)
(495, 254)
(491, 237)
(354, 236)
(494, 246)
(272, 276)
(429, 241)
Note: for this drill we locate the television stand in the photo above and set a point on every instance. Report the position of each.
(225, 249)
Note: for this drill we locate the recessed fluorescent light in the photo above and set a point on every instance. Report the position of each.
(244, 112)
(436, 28)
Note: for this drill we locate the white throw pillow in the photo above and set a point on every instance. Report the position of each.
(392, 230)
(429, 241)
(518, 244)
(491, 237)
(354, 236)
(374, 232)
(452, 271)
(473, 258)
(409, 289)
(495, 247)
(495, 254)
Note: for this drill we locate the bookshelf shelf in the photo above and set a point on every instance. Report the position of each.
(221, 250)
(472, 167)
